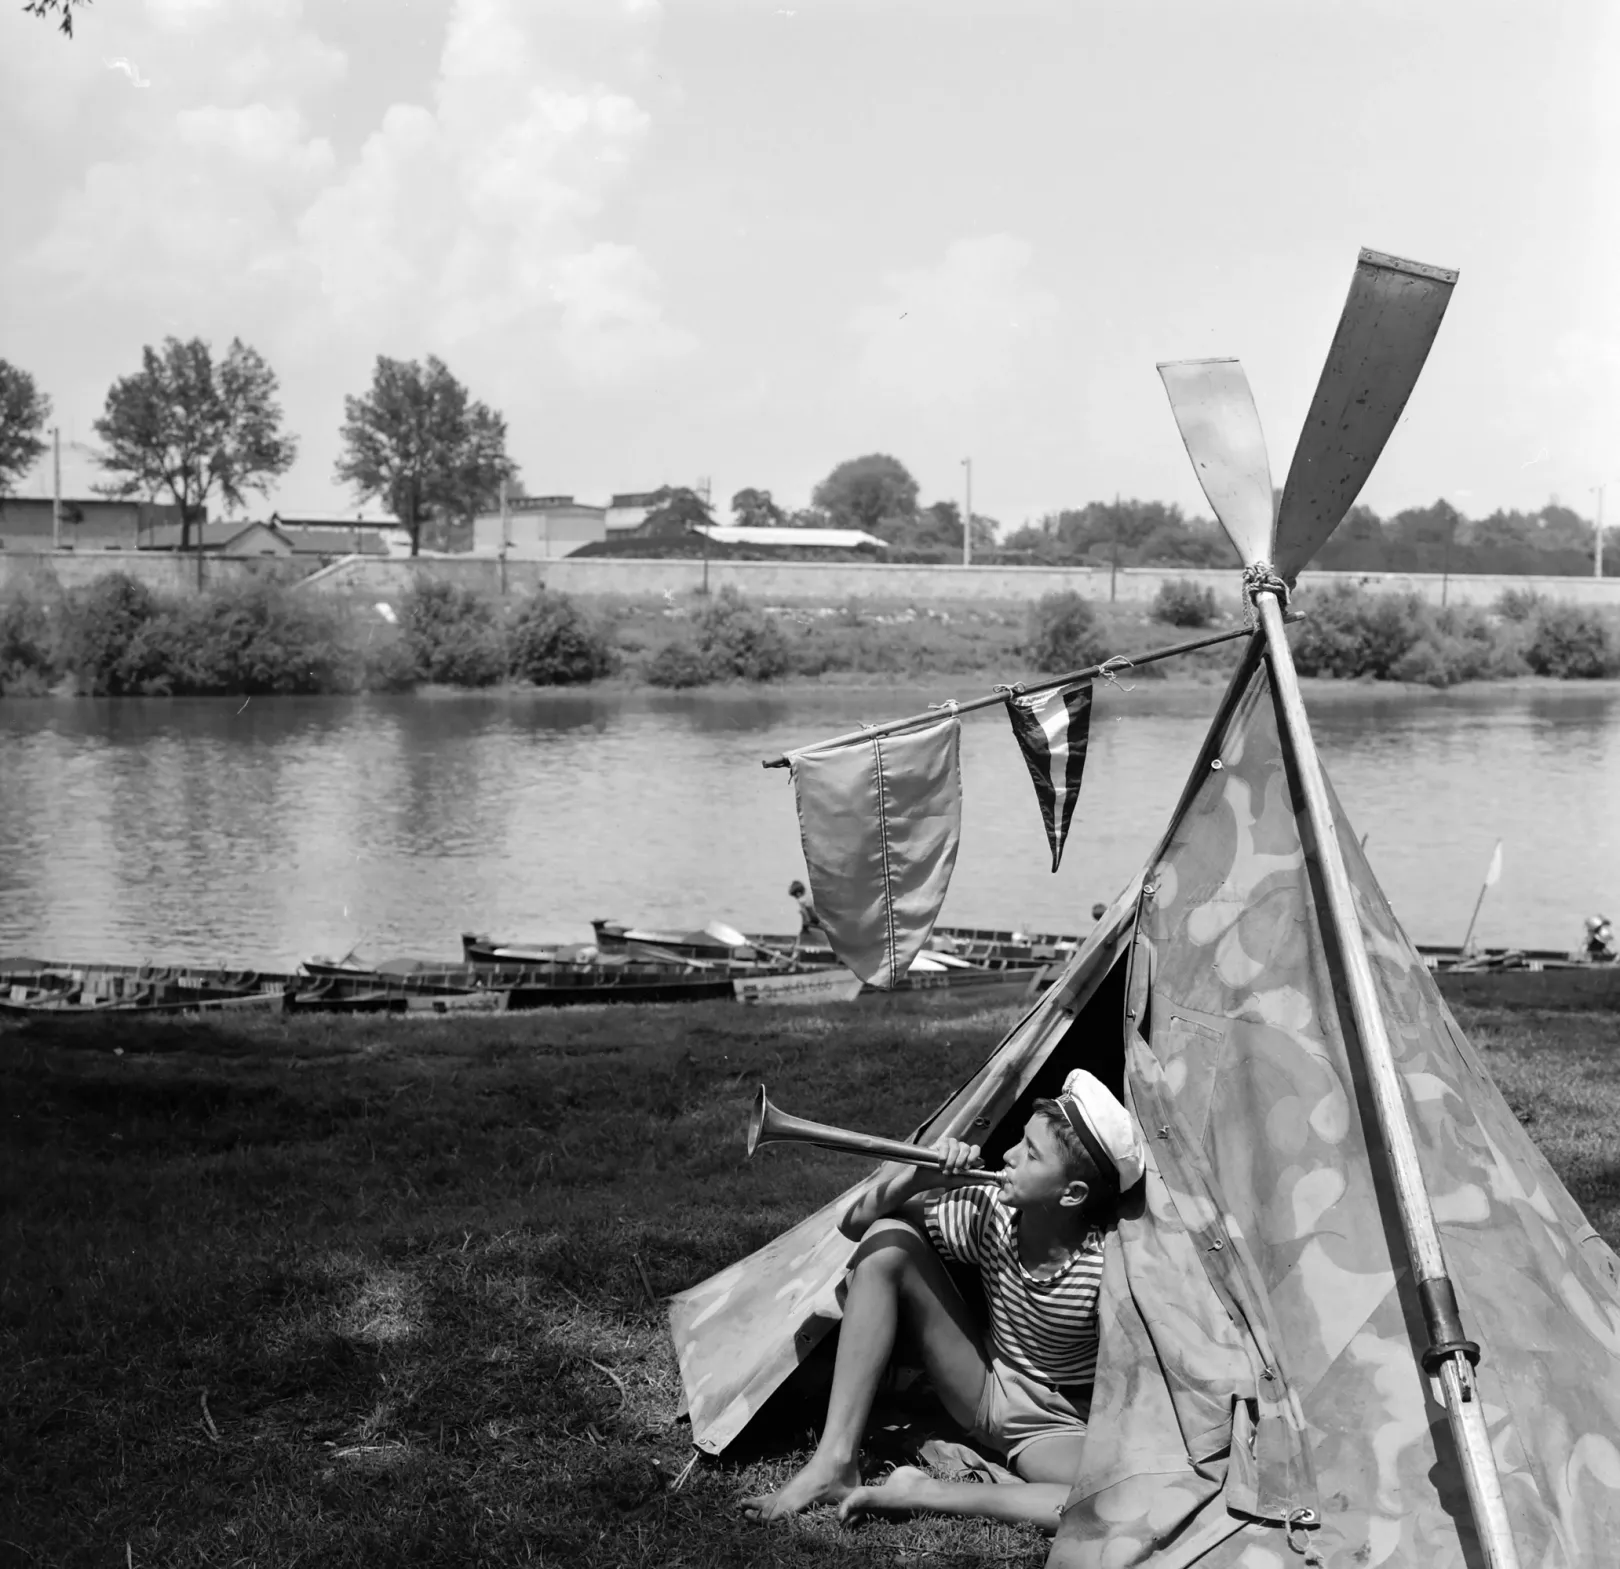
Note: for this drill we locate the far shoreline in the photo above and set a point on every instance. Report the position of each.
(939, 687)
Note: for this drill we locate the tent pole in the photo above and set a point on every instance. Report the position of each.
(1449, 1356)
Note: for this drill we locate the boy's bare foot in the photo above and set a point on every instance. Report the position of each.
(903, 1490)
(820, 1482)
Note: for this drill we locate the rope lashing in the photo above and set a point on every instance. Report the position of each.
(1107, 668)
(1298, 1541)
(1261, 577)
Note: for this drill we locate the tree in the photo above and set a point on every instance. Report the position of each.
(61, 9)
(186, 426)
(418, 442)
(23, 412)
(675, 509)
(755, 509)
(867, 493)
(1358, 544)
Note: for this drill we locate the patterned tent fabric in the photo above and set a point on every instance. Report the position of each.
(1260, 1332)
(1268, 1162)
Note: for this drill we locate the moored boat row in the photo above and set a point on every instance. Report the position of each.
(635, 964)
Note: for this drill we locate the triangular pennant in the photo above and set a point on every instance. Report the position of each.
(1052, 737)
(880, 820)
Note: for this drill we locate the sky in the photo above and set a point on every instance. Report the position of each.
(741, 242)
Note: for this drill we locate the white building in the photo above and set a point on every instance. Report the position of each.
(539, 528)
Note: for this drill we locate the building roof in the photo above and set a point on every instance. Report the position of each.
(204, 536)
(349, 520)
(337, 539)
(521, 506)
(790, 538)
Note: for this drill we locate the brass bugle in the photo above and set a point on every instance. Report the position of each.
(768, 1125)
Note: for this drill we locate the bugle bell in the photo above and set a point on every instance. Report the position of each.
(768, 1125)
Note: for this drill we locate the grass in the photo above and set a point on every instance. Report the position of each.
(349, 1292)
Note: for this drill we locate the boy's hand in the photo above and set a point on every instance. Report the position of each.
(961, 1163)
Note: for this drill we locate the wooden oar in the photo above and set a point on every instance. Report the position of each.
(1384, 334)
(1220, 426)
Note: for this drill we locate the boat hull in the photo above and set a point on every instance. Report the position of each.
(810, 988)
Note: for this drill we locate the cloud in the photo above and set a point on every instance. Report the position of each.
(195, 199)
(953, 332)
(612, 327)
(476, 215)
(208, 205)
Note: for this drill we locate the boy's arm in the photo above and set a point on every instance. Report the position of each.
(898, 1186)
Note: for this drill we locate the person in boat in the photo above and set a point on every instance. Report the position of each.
(809, 921)
(1600, 945)
(1021, 1388)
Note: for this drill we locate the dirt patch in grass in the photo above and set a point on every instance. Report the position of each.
(369, 1291)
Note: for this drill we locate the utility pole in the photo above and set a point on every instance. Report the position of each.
(967, 513)
(506, 533)
(56, 489)
(1113, 571)
(1597, 544)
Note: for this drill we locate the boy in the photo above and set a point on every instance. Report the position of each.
(1035, 1232)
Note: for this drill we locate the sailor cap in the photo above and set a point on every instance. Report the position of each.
(1104, 1126)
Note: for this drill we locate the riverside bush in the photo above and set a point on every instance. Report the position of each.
(1460, 644)
(730, 641)
(1517, 604)
(28, 662)
(119, 638)
(107, 639)
(251, 638)
(1184, 603)
(1349, 633)
(1063, 633)
(452, 635)
(1572, 643)
(740, 641)
(678, 665)
(552, 642)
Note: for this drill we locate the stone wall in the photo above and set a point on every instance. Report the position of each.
(767, 582)
(164, 572)
(814, 582)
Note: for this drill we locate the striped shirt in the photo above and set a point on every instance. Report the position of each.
(1044, 1328)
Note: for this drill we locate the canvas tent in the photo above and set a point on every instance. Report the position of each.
(1320, 1133)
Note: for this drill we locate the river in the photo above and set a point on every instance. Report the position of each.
(261, 832)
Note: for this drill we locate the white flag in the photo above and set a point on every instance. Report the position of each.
(1494, 870)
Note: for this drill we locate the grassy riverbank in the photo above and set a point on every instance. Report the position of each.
(367, 1291)
(116, 637)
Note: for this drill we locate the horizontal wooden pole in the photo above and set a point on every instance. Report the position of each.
(1109, 667)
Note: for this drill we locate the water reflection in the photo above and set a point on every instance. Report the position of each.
(261, 832)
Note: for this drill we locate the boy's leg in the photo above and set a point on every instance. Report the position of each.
(896, 1272)
(1048, 1467)
(907, 1490)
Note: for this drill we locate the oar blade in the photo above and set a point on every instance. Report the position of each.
(1218, 421)
(1383, 338)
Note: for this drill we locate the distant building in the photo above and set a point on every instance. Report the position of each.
(88, 523)
(629, 510)
(232, 538)
(290, 537)
(539, 528)
(339, 534)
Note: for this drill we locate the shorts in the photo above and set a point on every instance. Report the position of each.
(1016, 1410)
